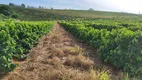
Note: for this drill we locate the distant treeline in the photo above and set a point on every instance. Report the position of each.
(40, 7)
(27, 6)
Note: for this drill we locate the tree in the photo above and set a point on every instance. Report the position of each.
(23, 5)
(91, 9)
(51, 8)
(15, 15)
(32, 7)
(11, 4)
(40, 7)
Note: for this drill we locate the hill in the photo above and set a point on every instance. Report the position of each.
(47, 14)
(34, 14)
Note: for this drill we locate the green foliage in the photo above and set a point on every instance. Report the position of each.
(16, 38)
(6, 46)
(6, 10)
(33, 14)
(19, 57)
(15, 15)
(3, 17)
(104, 75)
(116, 44)
(23, 5)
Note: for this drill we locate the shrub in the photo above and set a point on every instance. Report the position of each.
(6, 10)
(16, 38)
(14, 15)
(120, 47)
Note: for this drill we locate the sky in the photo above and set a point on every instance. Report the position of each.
(130, 6)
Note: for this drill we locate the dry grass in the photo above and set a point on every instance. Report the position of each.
(79, 61)
(56, 37)
(57, 52)
(76, 50)
(57, 57)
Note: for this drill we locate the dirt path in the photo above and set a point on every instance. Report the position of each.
(59, 56)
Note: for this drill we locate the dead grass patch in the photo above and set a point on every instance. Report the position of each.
(67, 39)
(55, 61)
(57, 57)
(76, 50)
(67, 74)
(16, 76)
(27, 66)
(79, 61)
(56, 37)
(57, 52)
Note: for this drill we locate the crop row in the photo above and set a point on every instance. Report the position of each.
(17, 38)
(120, 47)
(110, 24)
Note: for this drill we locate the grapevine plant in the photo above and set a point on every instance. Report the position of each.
(17, 38)
(119, 46)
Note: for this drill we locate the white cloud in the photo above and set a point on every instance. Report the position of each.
(133, 6)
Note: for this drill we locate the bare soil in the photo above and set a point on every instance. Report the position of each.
(60, 56)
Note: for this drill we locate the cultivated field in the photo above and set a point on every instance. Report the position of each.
(44, 44)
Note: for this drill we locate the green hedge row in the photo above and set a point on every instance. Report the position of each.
(120, 47)
(19, 38)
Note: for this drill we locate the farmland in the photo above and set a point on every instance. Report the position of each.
(65, 43)
(116, 44)
(17, 38)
